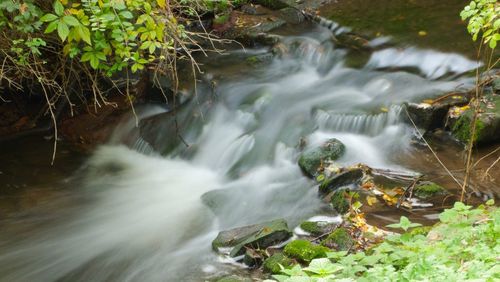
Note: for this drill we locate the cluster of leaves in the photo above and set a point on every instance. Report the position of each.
(484, 20)
(39, 38)
(464, 246)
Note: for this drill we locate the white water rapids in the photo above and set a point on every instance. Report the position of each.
(142, 217)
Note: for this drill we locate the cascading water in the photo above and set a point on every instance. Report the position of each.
(141, 216)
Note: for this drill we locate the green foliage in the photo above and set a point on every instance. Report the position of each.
(404, 223)
(464, 246)
(484, 20)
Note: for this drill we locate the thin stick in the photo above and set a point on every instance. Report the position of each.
(432, 151)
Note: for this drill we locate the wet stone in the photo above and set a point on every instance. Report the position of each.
(274, 263)
(314, 158)
(258, 236)
(340, 240)
(346, 178)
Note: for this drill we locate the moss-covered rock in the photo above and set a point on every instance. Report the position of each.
(487, 122)
(340, 240)
(427, 189)
(339, 201)
(272, 263)
(312, 159)
(317, 228)
(304, 251)
(258, 236)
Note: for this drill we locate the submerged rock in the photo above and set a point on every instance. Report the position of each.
(258, 236)
(428, 189)
(274, 263)
(346, 178)
(312, 160)
(304, 250)
(340, 240)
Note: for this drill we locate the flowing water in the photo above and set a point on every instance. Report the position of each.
(136, 209)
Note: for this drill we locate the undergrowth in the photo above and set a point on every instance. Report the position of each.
(463, 246)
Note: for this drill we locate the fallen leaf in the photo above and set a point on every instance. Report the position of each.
(371, 200)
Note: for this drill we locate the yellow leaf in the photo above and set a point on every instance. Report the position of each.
(161, 3)
(371, 200)
(384, 109)
(428, 101)
(389, 200)
(422, 33)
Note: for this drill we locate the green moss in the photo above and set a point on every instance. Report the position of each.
(339, 240)
(304, 250)
(339, 202)
(272, 264)
(429, 189)
(220, 20)
(462, 128)
(311, 227)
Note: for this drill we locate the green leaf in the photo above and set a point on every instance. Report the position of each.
(126, 15)
(84, 34)
(48, 18)
(404, 223)
(493, 43)
(94, 62)
(58, 8)
(86, 56)
(323, 267)
(51, 27)
(71, 21)
(62, 30)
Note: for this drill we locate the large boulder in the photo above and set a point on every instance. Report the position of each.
(258, 236)
(312, 160)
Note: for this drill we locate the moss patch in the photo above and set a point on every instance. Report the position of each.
(272, 264)
(429, 189)
(339, 201)
(462, 128)
(339, 240)
(304, 250)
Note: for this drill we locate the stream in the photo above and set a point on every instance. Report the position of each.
(135, 209)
